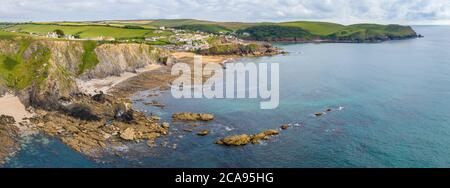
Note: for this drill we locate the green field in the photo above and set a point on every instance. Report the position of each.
(316, 28)
(7, 35)
(87, 31)
(208, 28)
(373, 31)
(185, 22)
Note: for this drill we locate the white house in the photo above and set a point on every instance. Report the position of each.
(52, 35)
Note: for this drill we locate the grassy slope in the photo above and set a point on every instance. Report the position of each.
(371, 30)
(7, 35)
(89, 58)
(317, 28)
(19, 73)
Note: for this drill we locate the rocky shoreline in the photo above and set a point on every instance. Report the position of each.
(97, 124)
(9, 136)
(92, 124)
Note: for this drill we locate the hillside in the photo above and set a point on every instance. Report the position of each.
(297, 31)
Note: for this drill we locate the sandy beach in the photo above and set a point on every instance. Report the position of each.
(10, 105)
(221, 59)
(95, 86)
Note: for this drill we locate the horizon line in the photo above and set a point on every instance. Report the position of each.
(153, 19)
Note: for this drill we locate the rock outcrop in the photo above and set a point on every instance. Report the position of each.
(90, 127)
(187, 116)
(244, 139)
(285, 127)
(203, 133)
(9, 135)
(115, 59)
(236, 140)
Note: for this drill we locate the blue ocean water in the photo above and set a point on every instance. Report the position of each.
(394, 111)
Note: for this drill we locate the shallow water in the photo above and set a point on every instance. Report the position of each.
(394, 112)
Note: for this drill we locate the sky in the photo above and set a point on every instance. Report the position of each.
(413, 12)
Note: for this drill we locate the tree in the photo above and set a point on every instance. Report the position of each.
(59, 32)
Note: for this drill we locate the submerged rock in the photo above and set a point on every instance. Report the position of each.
(318, 114)
(285, 127)
(203, 133)
(192, 117)
(155, 104)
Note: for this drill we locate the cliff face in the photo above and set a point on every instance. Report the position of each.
(114, 59)
(43, 72)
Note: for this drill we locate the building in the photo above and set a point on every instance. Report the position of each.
(69, 37)
(52, 35)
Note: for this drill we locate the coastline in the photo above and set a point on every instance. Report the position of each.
(95, 86)
(325, 41)
(87, 133)
(12, 106)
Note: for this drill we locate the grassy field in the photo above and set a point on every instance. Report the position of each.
(317, 28)
(367, 31)
(87, 31)
(7, 35)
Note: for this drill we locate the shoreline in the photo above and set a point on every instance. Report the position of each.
(95, 86)
(12, 106)
(104, 129)
(328, 41)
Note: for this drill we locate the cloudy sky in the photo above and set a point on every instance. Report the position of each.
(342, 11)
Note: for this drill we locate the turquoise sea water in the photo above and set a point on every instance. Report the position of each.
(395, 112)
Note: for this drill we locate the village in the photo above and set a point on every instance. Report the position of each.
(177, 40)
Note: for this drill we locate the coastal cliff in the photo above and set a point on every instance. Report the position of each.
(44, 75)
(44, 72)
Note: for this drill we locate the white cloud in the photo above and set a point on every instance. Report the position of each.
(343, 11)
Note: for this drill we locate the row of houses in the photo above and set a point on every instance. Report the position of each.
(71, 37)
